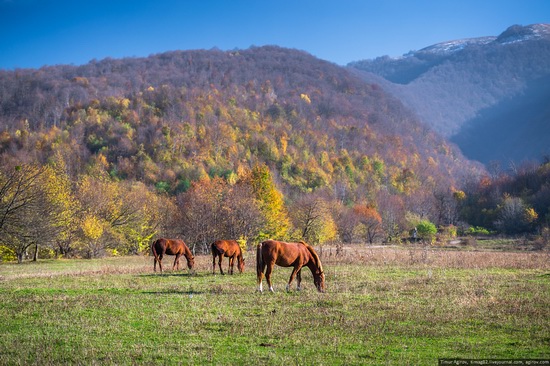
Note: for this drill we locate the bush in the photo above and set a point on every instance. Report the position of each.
(477, 230)
(426, 230)
(6, 254)
(448, 232)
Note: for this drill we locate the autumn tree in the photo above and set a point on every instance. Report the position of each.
(271, 204)
(44, 219)
(243, 218)
(201, 214)
(19, 203)
(60, 206)
(150, 214)
(392, 212)
(370, 222)
(346, 222)
(215, 209)
(313, 220)
(514, 216)
(446, 203)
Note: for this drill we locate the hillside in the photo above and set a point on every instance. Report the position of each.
(257, 143)
(192, 112)
(465, 87)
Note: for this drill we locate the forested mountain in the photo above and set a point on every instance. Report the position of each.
(489, 95)
(212, 127)
(196, 112)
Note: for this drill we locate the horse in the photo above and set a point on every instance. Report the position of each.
(230, 249)
(176, 247)
(297, 255)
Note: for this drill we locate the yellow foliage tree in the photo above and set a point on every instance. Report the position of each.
(61, 201)
(92, 227)
(277, 223)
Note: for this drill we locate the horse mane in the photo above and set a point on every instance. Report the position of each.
(316, 258)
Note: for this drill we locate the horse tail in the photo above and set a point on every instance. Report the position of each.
(155, 255)
(153, 248)
(215, 249)
(259, 259)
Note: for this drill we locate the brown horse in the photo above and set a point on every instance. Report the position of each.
(176, 247)
(297, 255)
(230, 249)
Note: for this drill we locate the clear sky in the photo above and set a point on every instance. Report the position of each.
(34, 33)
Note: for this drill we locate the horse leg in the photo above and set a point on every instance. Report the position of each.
(159, 259)
(231, 264)
(176, 262)
(220, 260)
(213, 263)
(292, 275)
(260, 274)
(268, 275)
(299, 280)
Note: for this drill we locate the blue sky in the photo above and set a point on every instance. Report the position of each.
(34, 33)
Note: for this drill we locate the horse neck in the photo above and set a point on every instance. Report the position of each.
(187, 254)
(314, 263)
(313, 267)
(239, 253)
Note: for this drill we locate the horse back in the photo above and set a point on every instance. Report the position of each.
(170, 246)
(284, 254)
(228, 248)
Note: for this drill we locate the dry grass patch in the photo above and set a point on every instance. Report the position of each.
(435, 257)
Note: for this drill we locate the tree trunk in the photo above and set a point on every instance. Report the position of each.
(35, 256)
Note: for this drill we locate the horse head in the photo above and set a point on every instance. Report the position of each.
(316, 269)
(190, 262)
(240, 264)
(319, 280)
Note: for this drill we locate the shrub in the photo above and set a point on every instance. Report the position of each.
(426, 230)
(6, 254)
(477, 230)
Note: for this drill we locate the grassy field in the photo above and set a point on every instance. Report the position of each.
(383, 306)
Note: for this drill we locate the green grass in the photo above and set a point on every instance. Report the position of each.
(383, 306)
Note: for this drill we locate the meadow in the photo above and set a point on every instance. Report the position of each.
(395, 306)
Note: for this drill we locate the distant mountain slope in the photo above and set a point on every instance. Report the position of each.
(517, 128)
(453, 86)
(176, 117)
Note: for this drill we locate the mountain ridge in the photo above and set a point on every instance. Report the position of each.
(450, 84)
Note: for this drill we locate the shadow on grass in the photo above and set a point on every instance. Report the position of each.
(175, 292)
(173, 274)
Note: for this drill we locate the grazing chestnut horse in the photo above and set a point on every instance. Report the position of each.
(297, 255)
(230, 249)
(176, 247)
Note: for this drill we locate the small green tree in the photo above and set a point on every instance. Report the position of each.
(426, 230)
